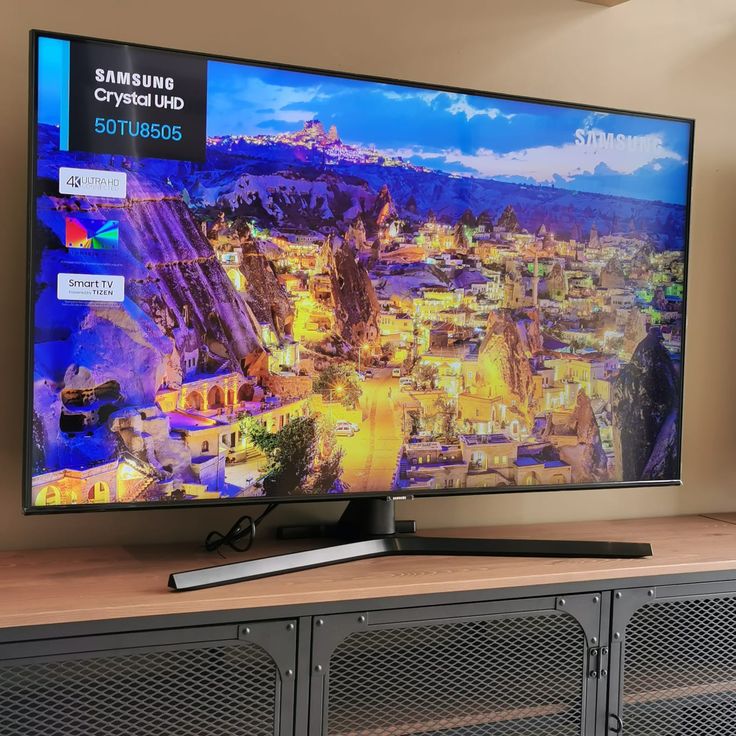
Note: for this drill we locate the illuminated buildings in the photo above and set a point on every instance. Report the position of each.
(479, 461)
(590, 371)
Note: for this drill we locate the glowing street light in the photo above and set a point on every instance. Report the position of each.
(336, 390)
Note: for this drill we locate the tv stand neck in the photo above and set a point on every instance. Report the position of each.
(363, 518)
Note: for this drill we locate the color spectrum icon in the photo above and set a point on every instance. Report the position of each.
(94, 234)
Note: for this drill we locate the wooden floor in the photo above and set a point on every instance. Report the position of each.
(86, 584)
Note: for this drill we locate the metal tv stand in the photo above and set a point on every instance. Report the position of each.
(368, 528)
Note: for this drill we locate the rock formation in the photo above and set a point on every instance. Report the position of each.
(264, 293)
(485, 220)
(508, 220)
(383, 210)
(460, 238)
(593, 239)
(556, 283)
(646, 413)
(468, 218)
(635, 330)
(146, 434)
(312, 134)
(262, 290)
(354, 298)
(332, 136)
(355, 236)
(586, 458)
(527, 324)
(503, 365)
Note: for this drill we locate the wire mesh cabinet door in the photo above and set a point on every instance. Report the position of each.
(508, 668)
(206, 681)
(673, 661)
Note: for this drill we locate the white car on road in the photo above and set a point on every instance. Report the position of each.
(346, 429)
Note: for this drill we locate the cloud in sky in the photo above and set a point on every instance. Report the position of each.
(454, 103)
(427, 97)
(544, 163)
(461, 105)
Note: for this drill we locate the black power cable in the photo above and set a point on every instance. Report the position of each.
(243, 528)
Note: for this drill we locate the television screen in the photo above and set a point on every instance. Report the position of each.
(249, 280)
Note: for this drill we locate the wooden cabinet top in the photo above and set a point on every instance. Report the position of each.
(55, 586)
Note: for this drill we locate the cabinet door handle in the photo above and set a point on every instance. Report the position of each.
(619, 723)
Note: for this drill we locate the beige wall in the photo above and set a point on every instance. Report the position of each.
(667, 56)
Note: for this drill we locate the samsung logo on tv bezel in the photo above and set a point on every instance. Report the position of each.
(93, 182)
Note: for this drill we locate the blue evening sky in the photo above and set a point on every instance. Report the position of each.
(480, 136)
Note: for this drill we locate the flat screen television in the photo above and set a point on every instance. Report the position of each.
(254, 282)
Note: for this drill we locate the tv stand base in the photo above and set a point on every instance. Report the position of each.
(364, 522)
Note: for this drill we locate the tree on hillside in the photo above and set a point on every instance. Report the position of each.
(328, 472)
(426, 375)
(413, 422)
(387, 352)
(444, 420)
(291, 454)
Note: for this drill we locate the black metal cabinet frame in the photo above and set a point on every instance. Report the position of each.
(432, 672)
(673, 660)
(652, 656)
(237, 679)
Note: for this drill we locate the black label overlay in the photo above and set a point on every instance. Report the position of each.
(140, 102)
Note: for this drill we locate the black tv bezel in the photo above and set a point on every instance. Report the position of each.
(27, 474)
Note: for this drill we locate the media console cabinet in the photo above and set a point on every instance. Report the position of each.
(93, 644)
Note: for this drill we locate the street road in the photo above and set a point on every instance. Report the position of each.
(371, 454)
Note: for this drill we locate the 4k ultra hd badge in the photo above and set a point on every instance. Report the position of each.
(139, 102)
